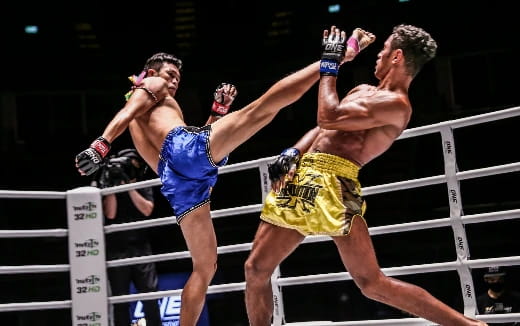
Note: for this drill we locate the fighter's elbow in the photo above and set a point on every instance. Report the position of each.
(325, 121)
(325, 125)
(124, 116)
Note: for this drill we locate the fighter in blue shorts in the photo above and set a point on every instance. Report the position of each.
(187, 158)
(186, 169)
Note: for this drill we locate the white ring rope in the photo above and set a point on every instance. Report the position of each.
(296, 280)
(386, 229)
(391, 228)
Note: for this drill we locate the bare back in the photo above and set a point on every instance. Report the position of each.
(367, 122)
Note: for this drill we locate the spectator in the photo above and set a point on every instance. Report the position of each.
(499, 298)
(124, 207)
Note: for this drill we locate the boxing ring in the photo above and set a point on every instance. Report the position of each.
(456, 221)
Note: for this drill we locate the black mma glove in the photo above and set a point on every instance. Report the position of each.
(222, 98)
(333, 49)
(89, 160)
(283, 163)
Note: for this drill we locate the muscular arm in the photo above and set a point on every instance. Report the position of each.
(365, 109)
(140, 102)
(143, 97)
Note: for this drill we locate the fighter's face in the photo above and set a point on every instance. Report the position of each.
(384, 59)
(172, 75)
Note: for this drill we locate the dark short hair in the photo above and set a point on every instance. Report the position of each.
(157, 60)
(418, 46)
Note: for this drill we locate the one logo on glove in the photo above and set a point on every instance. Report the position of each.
(333, 47)
(94, 157)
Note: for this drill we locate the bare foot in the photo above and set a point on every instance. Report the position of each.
(358, 41)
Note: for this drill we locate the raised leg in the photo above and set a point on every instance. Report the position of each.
(234, 129)
(358, 256)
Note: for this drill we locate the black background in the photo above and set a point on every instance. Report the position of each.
(64, 84)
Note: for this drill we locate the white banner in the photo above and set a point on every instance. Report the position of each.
(88, 280)
(265, 183)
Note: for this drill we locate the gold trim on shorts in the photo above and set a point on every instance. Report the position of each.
(322, 199)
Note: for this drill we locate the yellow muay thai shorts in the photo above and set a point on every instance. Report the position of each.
(322, 199)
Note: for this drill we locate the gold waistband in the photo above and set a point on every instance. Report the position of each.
(330, 164)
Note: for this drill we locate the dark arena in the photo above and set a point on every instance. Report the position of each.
(236, 163)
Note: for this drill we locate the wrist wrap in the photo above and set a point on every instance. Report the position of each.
(329, 67)
(101, 145)
(293, 152)
(353, 44)
(219, 109)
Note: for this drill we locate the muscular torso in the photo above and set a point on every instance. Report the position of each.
(149, 129)
(363, 144)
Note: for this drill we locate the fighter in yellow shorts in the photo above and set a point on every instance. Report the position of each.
(320, 193)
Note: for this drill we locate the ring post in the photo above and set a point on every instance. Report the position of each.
(265, 183)
(278, 312)
(456, 212)
(88, 280)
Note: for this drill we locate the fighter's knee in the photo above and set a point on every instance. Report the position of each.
(254, 271)
(249, 268)
(211, 268)
(371, 287)
(207, 268)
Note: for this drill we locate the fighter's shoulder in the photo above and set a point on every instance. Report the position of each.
(392, 98)
(361, 87)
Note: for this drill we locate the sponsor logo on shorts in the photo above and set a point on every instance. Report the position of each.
(303, 192)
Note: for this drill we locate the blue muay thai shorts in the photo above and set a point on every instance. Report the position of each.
(186, 169)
